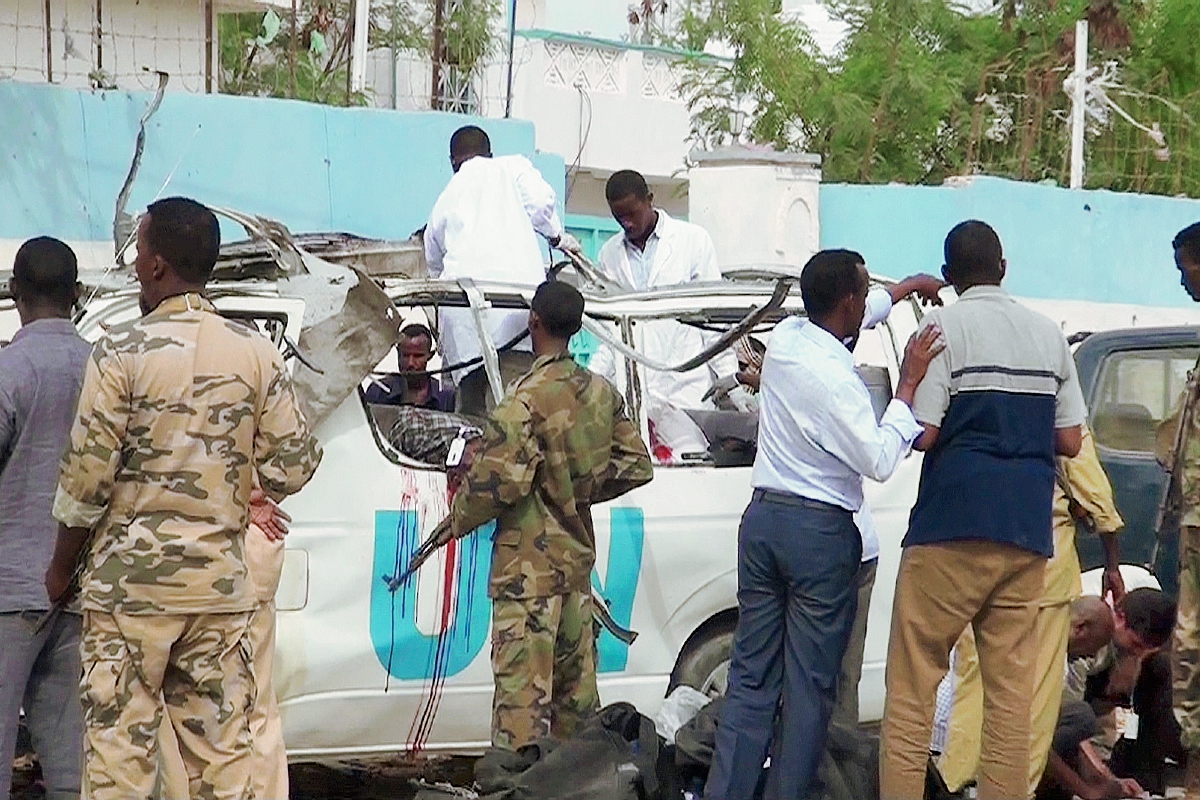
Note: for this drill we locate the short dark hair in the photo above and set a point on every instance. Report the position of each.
(624, 183)
(973, 252)
(828, 277)
(1188, 240)
(1150, 614)
(46, 269)
(186, 235)
(470, 140)
(559, 306)
(416, 331)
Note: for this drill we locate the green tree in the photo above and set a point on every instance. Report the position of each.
(922, 89)
(772, 67)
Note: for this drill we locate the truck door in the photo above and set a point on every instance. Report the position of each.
(1133, 391)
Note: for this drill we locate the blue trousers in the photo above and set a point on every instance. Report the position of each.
(797, 593)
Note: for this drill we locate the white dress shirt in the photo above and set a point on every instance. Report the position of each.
(817, 431)
(676, 252)
(483, 227)
(879, 306)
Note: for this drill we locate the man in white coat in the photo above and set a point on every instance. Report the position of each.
(484, 226)
(654, 250)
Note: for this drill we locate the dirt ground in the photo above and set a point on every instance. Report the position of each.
(378, 779)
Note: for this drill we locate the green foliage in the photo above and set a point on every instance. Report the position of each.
(469, 34)
(772, 64)
(921, 90)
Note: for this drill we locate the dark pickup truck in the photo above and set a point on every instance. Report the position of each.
(1132, 380)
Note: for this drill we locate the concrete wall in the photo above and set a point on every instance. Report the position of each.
(759, 206)
(65, 153)
(1061, 245)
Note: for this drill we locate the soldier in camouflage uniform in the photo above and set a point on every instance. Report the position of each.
(557, 444)
(1184, 465)
(180, 411)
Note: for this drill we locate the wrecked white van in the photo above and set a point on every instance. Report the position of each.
(361, 669)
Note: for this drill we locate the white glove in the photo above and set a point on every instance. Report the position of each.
(569, 244)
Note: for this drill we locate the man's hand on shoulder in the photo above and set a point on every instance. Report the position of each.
(922, 348)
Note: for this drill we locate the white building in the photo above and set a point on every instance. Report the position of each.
(114, 43)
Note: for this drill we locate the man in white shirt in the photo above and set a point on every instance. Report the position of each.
(799, 550)
(654, 250)
(484, 227)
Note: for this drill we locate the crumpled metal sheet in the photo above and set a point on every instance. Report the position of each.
(349, 322)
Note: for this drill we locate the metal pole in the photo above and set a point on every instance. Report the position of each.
(512, 38)
(292, 41)
(358, 55)
(49, 51)
(208, 46)
(436, 63)
(1077, 108)
(99, 36)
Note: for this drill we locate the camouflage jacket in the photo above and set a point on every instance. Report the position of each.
(1178, 450)
(558, 443)
(178, 411)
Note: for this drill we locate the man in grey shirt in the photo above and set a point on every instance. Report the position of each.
(40, 375)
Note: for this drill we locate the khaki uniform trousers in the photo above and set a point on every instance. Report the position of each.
(960, 762)
(196, 668)
(264, 559)
(940, 589)
(544, 666)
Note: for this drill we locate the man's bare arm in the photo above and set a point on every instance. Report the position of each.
(1068, 441)
(928, 439)
(63, 564)
(925, 287)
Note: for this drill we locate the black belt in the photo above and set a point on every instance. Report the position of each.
(786, 499)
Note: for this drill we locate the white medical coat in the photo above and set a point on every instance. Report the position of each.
(483, 227)
(684, 253)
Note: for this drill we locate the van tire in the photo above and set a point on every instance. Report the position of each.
(704, 663)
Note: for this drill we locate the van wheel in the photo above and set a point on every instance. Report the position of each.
(704, 665)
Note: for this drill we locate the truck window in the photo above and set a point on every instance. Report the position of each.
(269, 325)
(1137, 390)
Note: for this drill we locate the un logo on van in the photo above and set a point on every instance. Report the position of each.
(462, 610)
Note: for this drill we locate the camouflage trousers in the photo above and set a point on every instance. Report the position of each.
(1185, 655)
(544, 665)
(195, 667)
(270, 771)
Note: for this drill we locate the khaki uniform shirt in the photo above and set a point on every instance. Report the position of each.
(558, 443)
(1091, 489)
(177, 410)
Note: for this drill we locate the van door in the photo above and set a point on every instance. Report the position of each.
(1134, 391)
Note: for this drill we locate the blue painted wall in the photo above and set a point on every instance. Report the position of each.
(1060, 244)
(64, 155)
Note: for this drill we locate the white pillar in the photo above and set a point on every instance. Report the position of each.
(1078, 103)
(761, 207)
(358, 48)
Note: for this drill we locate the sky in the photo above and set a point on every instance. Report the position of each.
(828, 32)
